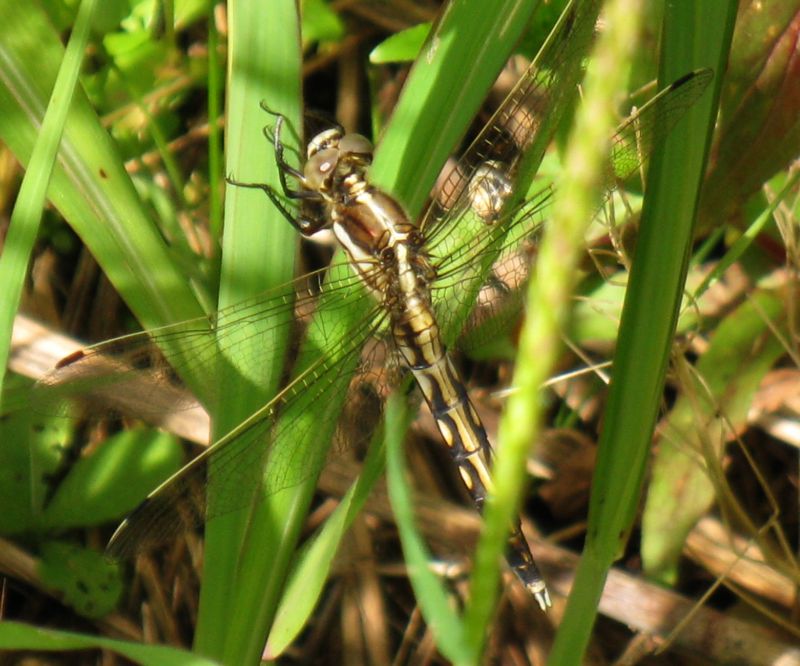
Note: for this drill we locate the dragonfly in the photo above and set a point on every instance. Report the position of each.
(419, 279)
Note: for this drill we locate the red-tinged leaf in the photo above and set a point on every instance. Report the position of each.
(759, 132)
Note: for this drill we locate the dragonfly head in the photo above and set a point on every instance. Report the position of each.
(330, 148)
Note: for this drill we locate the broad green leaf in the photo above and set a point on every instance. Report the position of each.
(112, 481)
(402, 46)
(87, 580)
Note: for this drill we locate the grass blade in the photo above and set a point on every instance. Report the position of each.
(27, 213)
(257, 252)
(648, 320)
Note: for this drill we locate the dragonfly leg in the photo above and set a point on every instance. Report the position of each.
(305, 226)
(322, 118)
(284, 168)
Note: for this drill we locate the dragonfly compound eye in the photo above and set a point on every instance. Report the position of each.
(327, 139)
(319, 167)
(355, 144)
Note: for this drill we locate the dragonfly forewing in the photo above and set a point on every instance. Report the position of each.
(115, 377)
(521, 128)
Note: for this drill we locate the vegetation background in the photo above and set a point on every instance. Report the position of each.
(123, 230)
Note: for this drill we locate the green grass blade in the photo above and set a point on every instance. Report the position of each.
(549, 291)
(310, 575)
(258, 251)
(311, 417)
(216, 91)
(429, 591)
(89, 185)
(19, 636)
(521, 421)
(649, 316)
(28, 209)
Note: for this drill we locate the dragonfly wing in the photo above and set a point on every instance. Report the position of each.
(502, 243)
(131, 375)
(637, 136)
(258, 454)
(145, 375)
(485, 176)
(465, 224)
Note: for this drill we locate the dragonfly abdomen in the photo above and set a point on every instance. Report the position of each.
(459, 425)
(417, 337)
